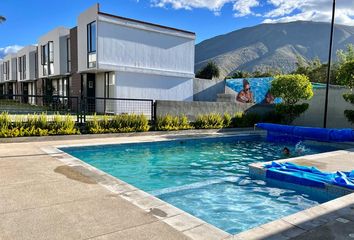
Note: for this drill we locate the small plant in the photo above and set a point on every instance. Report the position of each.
(172, 123)
(209, 121)
(227, 121)
(118, 123)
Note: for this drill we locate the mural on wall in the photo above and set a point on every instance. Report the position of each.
(252, 90)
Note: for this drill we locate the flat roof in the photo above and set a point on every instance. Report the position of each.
(147, 23)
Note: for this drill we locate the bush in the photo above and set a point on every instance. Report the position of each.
(227, 121)
(242, 120)
(292, 88)
(210, 71)
(349, 97)
(36, 125)
(118, 124)
(171, 123)
(209, 121)
(349, 114)
(290, 112)
(345, 74)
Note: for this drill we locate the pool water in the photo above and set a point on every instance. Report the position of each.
(206, 177)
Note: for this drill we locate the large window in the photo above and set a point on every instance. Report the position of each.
(44, 59)
(22, 67)
(51, 58)
(68, 53)
(91, 44)
(6, 70)
(36, 64)
(47, 58)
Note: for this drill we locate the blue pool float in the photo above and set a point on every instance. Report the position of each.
(310, 176)
(297, 133)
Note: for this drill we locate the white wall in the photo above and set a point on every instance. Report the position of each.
(56, 35)
(156, 87)
(12, 58)
(29, 52)
(1, 73)
(126, 47)
(84, 18)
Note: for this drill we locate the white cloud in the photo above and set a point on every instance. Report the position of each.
(244, 8)
(276, 10)
(9, 49)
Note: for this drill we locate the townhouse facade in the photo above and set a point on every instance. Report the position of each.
(105, 56)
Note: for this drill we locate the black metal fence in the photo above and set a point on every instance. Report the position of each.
(84, 108)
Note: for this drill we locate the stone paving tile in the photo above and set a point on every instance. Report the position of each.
(74, 220)
(206, 232)
(18, 197)
(183, 222)
(153, 231)
(334, 230)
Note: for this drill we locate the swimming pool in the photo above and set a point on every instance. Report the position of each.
(206, 177)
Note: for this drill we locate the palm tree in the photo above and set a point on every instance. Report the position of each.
(2, 19)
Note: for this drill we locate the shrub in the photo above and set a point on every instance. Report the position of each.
(345, 74)
(171, 123)
(209, 121)
(245, 119)
(349, 97)
(290, 112)
(210, 71)
(36, 125)
(227, 121)
(349, 115)
(118, 123)
(291, 88)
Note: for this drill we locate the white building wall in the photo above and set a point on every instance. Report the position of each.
(29, 52)
(1, 73)
(127, 47)
(156, 87)
(84, 18)
(59, 58)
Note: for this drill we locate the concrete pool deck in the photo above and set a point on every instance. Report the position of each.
(46, 194)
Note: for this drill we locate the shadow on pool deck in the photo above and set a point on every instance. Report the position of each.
(314, 223)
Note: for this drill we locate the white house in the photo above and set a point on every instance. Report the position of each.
(10, 73)
(1, 78)
(126, 58)
(54, 67)
(27, 66)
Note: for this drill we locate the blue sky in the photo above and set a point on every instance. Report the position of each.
(27, 20)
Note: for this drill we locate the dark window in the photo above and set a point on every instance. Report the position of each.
(51, 58)
(22, 67)
(91, 44)
(6, 69)
(68, 53)
(36, 63)
(44, 59)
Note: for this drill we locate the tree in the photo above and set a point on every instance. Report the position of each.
(210, 71)
(291, 89)
(346, 56)
(2, 19)
(345, 74)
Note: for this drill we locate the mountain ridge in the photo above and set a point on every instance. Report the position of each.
(271, 45)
